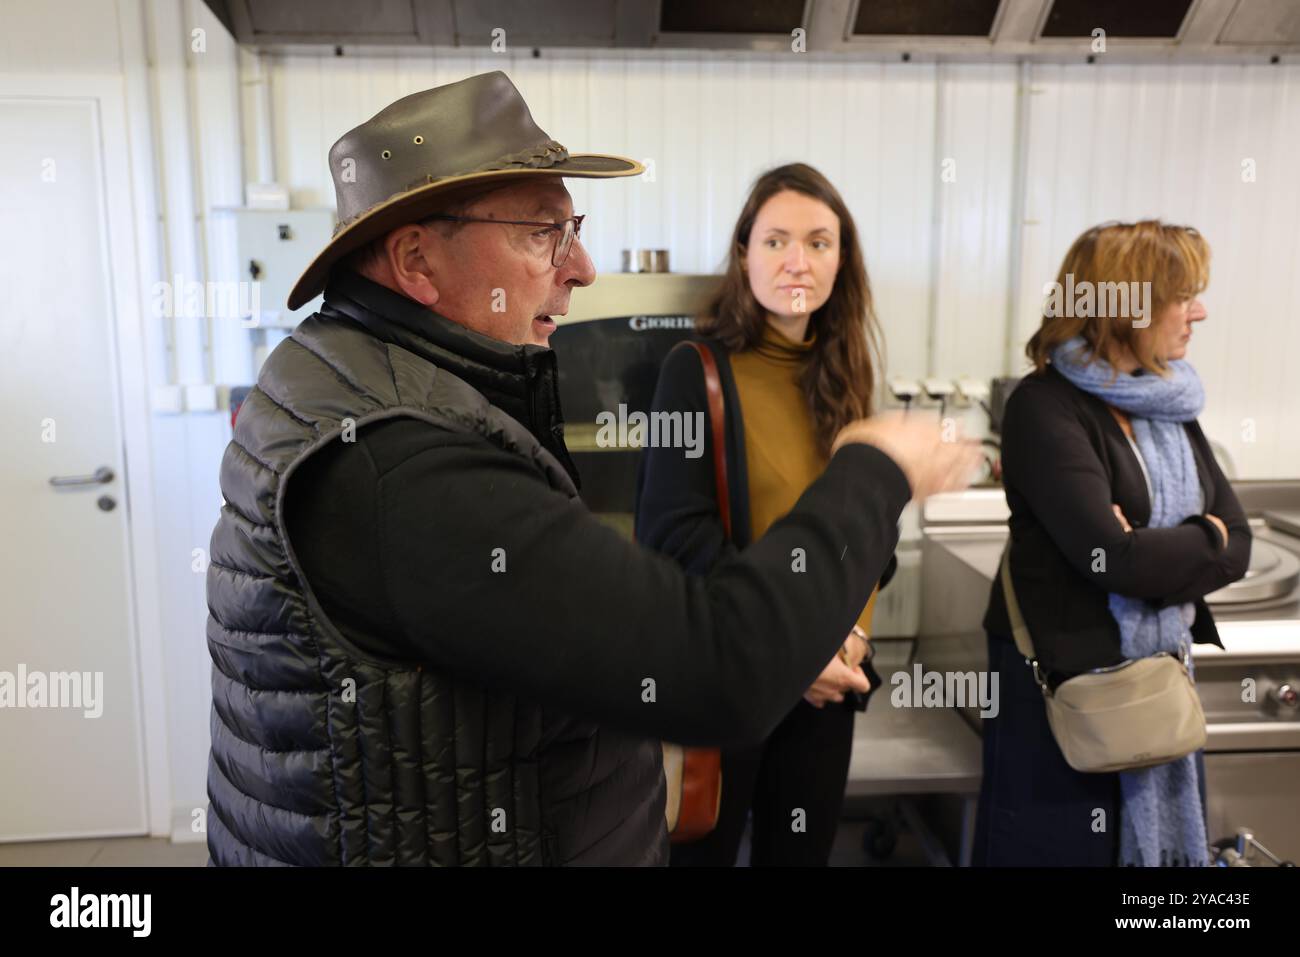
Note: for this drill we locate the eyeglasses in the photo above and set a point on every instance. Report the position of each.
(566, 231)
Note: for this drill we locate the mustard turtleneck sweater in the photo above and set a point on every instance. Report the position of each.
(780, 447)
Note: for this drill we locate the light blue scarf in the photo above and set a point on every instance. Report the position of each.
(1162, 822)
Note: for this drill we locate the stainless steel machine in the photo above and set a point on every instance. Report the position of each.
(610, 347)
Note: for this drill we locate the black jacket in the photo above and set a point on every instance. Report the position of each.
(457, 551)
(336, 739)
(1065, 462)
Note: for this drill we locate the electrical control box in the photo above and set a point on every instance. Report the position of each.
(274, 247)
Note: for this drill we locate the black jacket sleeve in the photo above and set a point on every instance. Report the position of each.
(1048, 459)
(677, 502)
(490, 574)
(1230, 563)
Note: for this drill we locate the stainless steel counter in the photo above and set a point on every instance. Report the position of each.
(910, 750)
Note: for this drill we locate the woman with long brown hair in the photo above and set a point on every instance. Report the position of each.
(794, 335)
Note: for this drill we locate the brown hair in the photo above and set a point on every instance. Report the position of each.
(1175, 260)
(839, 379)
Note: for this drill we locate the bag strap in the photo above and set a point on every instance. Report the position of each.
(1019, 630)
(717, 420)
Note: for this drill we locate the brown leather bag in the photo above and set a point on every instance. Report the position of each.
(694, 775)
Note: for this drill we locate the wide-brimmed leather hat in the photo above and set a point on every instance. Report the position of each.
(405, 161)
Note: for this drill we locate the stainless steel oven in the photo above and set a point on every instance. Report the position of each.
(610, 347)
(1251, 694)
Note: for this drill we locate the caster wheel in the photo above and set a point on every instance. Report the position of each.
(879, 839)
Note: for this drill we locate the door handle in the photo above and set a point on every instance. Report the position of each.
(102, 476)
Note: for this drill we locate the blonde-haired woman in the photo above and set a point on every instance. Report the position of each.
(1101, 450)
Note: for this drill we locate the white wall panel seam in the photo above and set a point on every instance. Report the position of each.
(199, 222)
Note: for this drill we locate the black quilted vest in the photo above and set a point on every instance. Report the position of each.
(323, 755)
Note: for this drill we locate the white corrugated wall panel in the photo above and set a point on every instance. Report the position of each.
(709, 124)
(215, 89)
(1169, 141)
(977, 136)
(1101, 142)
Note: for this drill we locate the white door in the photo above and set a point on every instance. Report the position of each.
(71, 757)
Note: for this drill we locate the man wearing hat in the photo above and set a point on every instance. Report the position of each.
(425, 649)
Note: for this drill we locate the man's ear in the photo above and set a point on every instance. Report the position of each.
(411, 269)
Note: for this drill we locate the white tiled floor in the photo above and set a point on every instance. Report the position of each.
(159, 852)
(105, 852)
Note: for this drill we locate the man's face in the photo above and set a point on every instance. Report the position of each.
(498, 279)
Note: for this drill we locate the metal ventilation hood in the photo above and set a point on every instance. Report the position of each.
(920, 29)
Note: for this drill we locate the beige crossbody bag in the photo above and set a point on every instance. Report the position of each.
(1136, 714)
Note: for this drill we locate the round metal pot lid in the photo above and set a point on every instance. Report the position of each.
(1273, 573)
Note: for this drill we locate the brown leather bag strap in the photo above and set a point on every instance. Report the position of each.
(717, 420)
(1019, 631)
(700, 780)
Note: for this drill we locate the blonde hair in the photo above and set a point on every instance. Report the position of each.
(1175, 260)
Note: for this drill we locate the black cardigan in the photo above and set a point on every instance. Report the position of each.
(676, 497)
(1065, 461)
